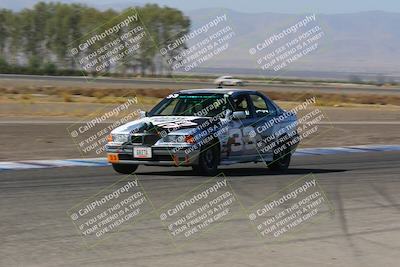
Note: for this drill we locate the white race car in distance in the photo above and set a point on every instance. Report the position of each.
(228, 80)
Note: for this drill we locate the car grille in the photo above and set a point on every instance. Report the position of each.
(136, 139)
(148, 139)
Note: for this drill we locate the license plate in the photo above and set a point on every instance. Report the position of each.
(142, 152)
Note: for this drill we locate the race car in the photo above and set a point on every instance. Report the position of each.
(205, 128)
(228, 80)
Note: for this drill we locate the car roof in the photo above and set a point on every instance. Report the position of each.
(229, 91)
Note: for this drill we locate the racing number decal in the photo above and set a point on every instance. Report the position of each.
(112, 158)
(235, 141)
(249, 139)
(241, 139)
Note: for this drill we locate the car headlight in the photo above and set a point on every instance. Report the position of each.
(120, 138)
(179, 139)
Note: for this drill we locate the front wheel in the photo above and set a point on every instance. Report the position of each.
(208, 161)
(281, 161)
(125, 168)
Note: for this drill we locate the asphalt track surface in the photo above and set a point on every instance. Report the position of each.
(363, 231)
(185, 84)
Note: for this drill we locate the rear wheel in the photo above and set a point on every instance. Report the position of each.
(281, 160)
(125, 168)
(208, 161)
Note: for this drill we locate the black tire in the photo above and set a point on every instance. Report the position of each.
(208, 161)
(125, 168)
(281, 160)
(240, 84)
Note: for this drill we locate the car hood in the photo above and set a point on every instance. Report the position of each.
(169, 124)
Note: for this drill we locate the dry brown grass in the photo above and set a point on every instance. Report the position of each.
(150, 96)
(67, 97)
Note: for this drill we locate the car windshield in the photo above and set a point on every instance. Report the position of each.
(202, 105)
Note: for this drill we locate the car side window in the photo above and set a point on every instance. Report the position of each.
(260, 106)
(241, 104)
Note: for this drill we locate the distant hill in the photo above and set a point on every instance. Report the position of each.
(360, 42)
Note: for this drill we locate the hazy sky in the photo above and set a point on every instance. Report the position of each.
(281, 6)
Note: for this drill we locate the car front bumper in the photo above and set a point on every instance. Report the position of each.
(161, 156)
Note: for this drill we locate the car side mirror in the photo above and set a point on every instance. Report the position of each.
(239, 115)
(142, 114)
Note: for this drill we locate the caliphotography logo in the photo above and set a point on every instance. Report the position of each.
(199, 133)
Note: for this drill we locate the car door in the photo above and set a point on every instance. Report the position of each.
(264, 125)
(241, 147)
